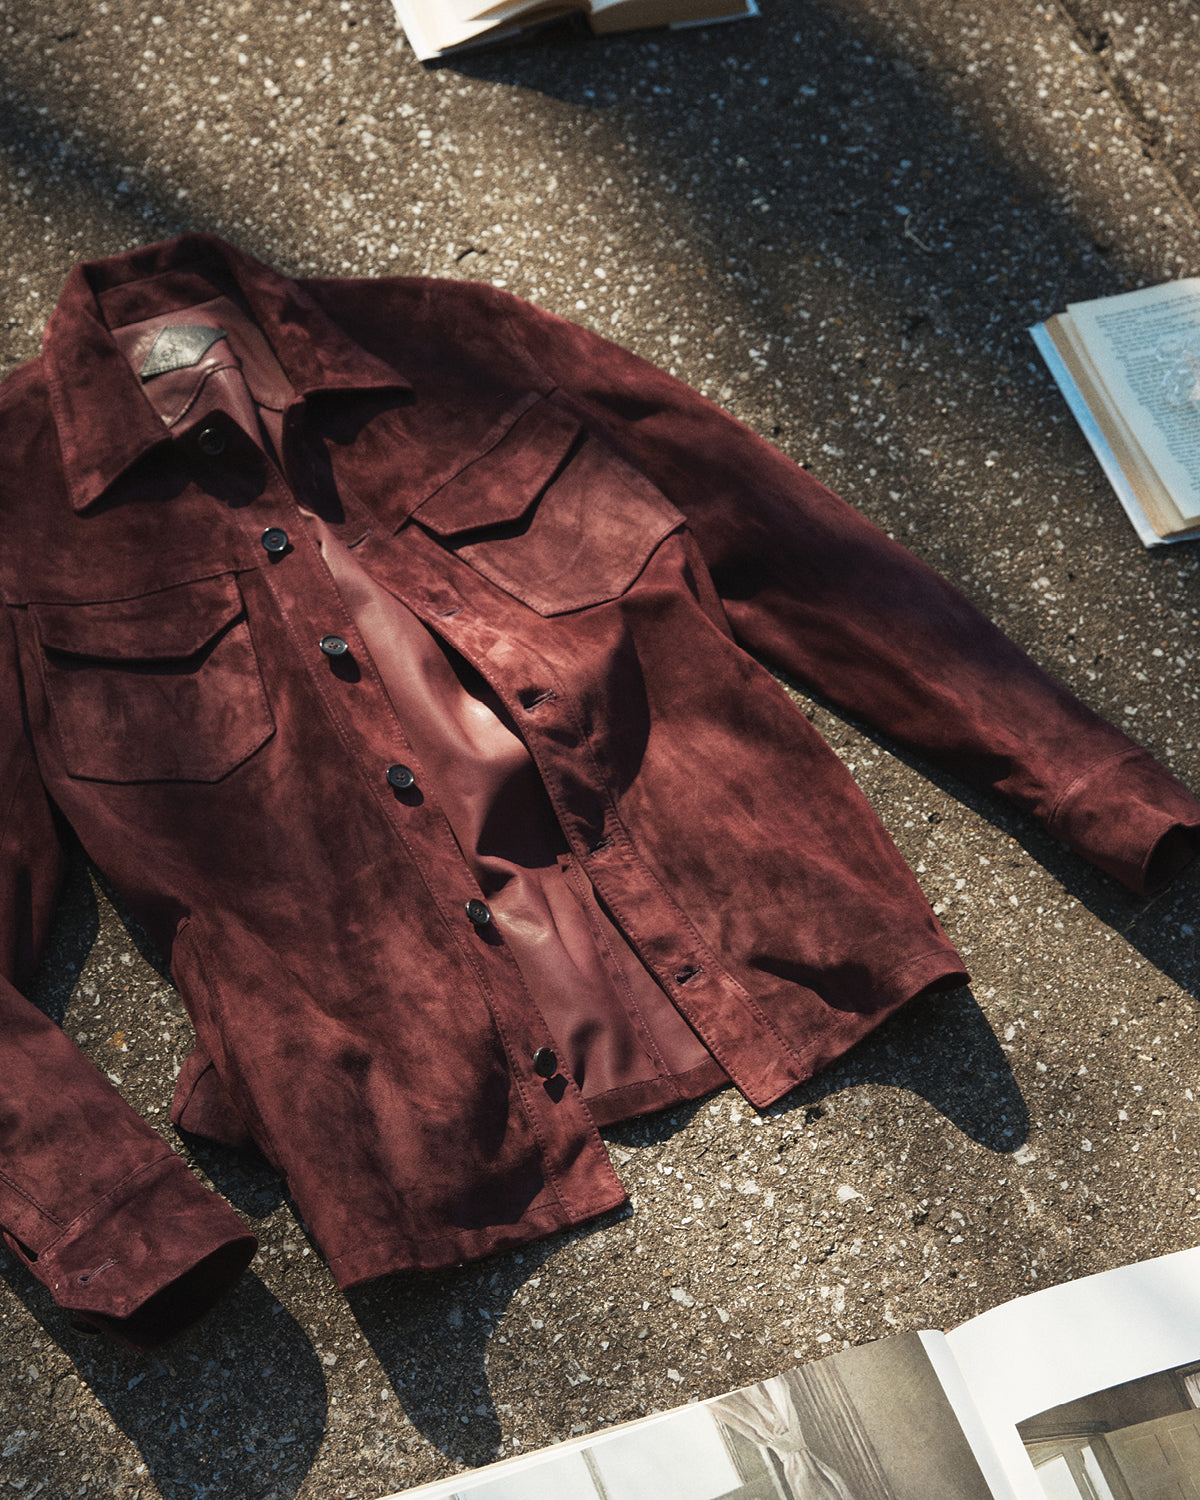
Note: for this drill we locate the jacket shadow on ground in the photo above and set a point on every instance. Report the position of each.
(414, 1321)
(208, 1419)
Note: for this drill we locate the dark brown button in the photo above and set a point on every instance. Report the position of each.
(479, 912)
(333, 645)
(400, 777)
(545, 1064)
(210, 441)
(275, 539)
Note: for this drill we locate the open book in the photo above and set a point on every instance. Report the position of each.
(1129, 367)
(1087, 1391)
(435, 27)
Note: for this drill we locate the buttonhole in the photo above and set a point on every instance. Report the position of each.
(688, 972)
(358, 541)
(85, 1278)
(531, 698)
(455, 609)
(603, 842)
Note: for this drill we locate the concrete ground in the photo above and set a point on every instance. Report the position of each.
(839, 221)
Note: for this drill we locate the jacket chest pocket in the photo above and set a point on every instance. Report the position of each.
(161, 688)
(551, 515)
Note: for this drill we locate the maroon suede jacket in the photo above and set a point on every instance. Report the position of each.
(388, 644)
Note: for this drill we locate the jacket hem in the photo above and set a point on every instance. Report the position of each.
(940, 968)
(386, 1256)
(644, 1098)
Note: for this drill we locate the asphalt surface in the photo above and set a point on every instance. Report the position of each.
(838, 220)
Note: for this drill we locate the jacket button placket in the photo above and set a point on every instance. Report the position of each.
(303, 587)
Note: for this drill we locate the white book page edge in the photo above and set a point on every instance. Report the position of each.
(1098, 443)
(472, 34)
(418, 38)
(1119, 334)
(737, 15)
(958, 1394)
(1054, 1346)
(487, 1474)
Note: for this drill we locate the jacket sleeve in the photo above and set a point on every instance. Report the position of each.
(811, 586)
(92, 1200)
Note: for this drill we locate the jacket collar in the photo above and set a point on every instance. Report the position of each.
(105, 423)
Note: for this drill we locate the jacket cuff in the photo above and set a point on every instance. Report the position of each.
(149, 1258)
(1132, 818)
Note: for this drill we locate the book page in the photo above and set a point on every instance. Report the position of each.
(433, 29)
(1145, 348)
(1096, 1372)
(871, 1423)
(630, 15)
(1043, 336)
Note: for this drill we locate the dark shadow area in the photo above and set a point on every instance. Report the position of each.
(242, 1176)
(74, 930)
(940, 1048)
(147, 950)
(432, 1331)
(209, 1417)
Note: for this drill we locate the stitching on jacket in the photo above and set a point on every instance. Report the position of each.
(227, 568)
(1105, 760)
(949, 951)
(579, 880)
(651, 1083)
(32, 1201)
(505, 304)
(495, 435)
(168, 1156)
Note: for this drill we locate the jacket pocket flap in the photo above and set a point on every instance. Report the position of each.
(170, 625)
(502, 483)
